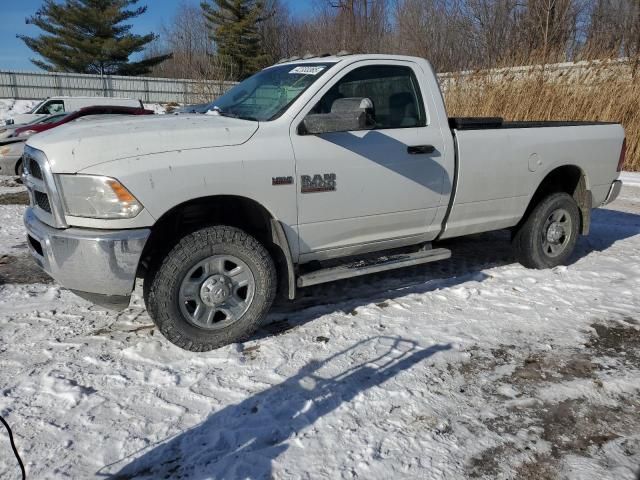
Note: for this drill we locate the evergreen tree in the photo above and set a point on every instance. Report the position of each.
(234, 27)
(90, 36)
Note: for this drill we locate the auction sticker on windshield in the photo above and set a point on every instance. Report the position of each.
(308, 70)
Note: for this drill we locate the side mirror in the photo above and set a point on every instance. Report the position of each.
(347, 114)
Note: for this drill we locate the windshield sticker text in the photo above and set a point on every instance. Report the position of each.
(307, 70)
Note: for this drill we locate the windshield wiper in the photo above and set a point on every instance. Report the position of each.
(219, 111)
(247, 117)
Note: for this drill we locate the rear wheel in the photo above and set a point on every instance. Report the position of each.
(548, 236)
(211, 289)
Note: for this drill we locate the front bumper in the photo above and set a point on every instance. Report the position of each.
(99, 265)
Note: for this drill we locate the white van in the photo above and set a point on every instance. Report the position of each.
(55, 105)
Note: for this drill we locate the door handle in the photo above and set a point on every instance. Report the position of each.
(421, 149)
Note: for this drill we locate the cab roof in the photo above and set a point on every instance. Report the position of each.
(346, 57)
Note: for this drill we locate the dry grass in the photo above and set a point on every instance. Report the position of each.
(602, 91)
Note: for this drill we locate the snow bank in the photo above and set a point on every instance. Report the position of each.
(631, 179)
(10, 107)
(9, 185)
(471, 366)
(12, 234)
(158, 108)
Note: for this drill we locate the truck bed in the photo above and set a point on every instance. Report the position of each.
(500, 164)
(493, 123)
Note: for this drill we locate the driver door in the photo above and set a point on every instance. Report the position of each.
(373, 188)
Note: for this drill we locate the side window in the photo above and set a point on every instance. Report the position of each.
(394, 91)
(52, 107)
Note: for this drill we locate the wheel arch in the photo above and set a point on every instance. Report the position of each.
(231, 210)
(570, 179)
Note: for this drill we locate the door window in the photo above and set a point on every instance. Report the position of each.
(393, 90)
(52, 107)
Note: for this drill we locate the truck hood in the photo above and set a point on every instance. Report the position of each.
(74, 147)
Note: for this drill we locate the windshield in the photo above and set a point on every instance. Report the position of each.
(51, 119)
(35, 120)
(38, 105)
(267, 94)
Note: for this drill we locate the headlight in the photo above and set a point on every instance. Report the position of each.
(4, 150)
(96, 197)
(27, 133)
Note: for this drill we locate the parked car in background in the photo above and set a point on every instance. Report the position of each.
(55, 105)
(28, 130)
(11, 153)
(8, 130)
(12, 148)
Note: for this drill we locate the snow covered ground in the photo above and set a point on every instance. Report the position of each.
(474, 367)
(10, 107)
(630, 178)
(10, 186)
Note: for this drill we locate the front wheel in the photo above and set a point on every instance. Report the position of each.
(20, 168)
(550, 232)
(211, 289)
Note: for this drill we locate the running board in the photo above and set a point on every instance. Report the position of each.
(364, 267)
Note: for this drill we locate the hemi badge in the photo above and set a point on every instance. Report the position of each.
(281, 180)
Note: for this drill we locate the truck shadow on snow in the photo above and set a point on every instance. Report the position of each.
(243, 440)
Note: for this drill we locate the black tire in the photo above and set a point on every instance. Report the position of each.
(20, 168)
(531, 241)
(163, 283)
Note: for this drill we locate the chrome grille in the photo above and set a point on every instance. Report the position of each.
(43, 192)
(34, 169)
(42, 201)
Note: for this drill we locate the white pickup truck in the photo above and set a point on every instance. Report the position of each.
(308, 172)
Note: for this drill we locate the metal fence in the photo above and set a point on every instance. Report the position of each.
(583, 71)
(38, 85)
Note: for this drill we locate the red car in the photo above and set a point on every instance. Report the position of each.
(28, 130)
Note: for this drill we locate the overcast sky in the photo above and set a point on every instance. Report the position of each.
(14, 55)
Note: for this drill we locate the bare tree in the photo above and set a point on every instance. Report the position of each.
(614, 29)
(438, 30)
(549, 28)
(186, 37)
(494, 30)
(454, 34)
(277, 31)
(358, 26)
